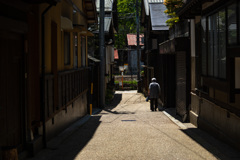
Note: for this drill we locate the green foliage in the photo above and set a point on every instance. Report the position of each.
(109, 93)
(126, 21)
(109, 96)
(172, 7)
(132, 85)
(127, 82)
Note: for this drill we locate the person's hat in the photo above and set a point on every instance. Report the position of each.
(153, 79)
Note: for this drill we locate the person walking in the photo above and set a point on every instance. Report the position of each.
(153, 94)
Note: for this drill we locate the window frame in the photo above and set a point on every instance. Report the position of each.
(67, 49)
(212, 52)
(226, 84)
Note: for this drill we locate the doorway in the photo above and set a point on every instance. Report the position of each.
(11, 89)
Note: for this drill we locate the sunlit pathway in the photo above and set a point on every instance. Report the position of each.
(131, 131)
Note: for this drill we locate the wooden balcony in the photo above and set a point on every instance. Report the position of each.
(63, 89)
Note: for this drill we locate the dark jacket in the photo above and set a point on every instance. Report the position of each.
(154, 89)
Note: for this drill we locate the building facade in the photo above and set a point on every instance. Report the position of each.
(156, 31)
(215, 67)
(132, 56)
(44, 69)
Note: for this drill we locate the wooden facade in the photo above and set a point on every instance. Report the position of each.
(155, 32)
(215, 67)
(43, 69)
(175, 74)
(71, 85)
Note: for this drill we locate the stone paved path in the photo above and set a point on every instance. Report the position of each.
(128, 130)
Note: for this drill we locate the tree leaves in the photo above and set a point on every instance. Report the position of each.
(126, 21)
(172, 6)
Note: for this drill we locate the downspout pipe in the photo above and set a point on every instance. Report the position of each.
(43, 115)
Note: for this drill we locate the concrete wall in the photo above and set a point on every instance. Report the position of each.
(215, 120)
(66, 117)
(194, 109)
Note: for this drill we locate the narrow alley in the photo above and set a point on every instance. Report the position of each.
(128, 130)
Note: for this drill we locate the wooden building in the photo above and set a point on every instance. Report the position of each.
(153, 19)
(44, 69)
(132, 56)
(215, 66)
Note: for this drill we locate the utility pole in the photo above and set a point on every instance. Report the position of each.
(102, 54)
(138, 59)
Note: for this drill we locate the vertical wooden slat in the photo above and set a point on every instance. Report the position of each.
(63, 90)
(79, 87)
(46, 98)
(70, 86)
(73, 84)
(66, 88)
(76, 84)
(51, 97)
(81, 81)
(84, 80)
(59, 91)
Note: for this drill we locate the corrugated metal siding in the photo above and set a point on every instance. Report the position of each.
(158, 17)
(107, 5)
(107, 23)
(146, 4)
(155, 1)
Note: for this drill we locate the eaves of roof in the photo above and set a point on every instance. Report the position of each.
(108, 5)
(158, 17)
(191, 9)
(90, 7)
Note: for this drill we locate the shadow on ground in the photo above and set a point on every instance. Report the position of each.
(113, 104)
(83, 135)
(67, 147)
(172, 112)
(218, 148)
